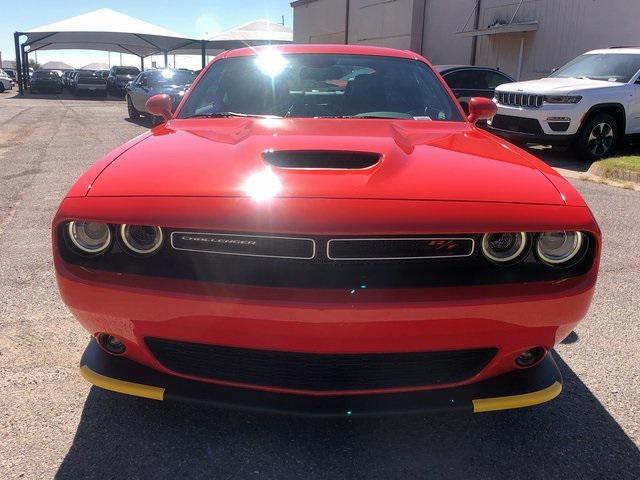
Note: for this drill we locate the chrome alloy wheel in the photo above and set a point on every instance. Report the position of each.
(600, 139)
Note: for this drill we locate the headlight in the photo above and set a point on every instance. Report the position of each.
(90, 237)
(556, 248)
(504, 247)
(141, 239)
(562, 98)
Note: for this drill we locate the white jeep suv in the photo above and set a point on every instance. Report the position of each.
(589, 104)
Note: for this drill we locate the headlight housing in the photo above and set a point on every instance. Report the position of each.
(504, 247)
(141, 239)
(559, 248)
(93, 238)
(562, 98)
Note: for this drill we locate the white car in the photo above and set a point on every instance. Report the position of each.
(5, 81)
(588, 104)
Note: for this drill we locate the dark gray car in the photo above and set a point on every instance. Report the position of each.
(119, 77)
(173, 82)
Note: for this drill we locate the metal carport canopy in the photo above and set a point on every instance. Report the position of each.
(102, 29)
(256, 32)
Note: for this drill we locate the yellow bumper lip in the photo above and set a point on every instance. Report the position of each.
(121, 386)
(479, 405)
(517, 401)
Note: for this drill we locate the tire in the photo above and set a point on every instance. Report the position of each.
(1, 87)
(133, 113)
(597, 138)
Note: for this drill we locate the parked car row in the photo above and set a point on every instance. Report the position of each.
(170, 81)
(6, 83)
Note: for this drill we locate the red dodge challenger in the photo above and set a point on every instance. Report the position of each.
(319, 229)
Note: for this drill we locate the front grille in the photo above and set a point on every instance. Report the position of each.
(520, 99)
(398, 248)
(516, 124)
(320, 271)
(321, 372)
(244, 245)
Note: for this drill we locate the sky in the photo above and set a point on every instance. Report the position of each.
(192, 18)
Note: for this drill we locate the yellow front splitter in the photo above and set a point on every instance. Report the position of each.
(121, 386)
(517, 401)
(516, 389)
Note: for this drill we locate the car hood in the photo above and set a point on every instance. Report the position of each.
(556, 86)
(419, 160)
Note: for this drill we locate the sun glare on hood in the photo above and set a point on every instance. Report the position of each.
(262, 185)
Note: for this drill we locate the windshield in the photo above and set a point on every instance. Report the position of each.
(320, 85)
(45, 74)
(87, 74)
(162, 78)
(612, 67)
(127, 71)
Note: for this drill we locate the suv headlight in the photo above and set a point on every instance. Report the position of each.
(562, 98)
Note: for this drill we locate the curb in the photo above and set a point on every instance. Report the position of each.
(615, 174)
(590, 176)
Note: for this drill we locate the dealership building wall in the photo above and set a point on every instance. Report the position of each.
(547, 33)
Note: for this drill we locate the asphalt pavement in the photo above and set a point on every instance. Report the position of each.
(54, 424)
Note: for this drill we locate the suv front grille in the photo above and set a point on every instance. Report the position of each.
(520, 99)
(321, 372)
(516, 124)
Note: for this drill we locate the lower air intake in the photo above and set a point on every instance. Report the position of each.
(322, 372)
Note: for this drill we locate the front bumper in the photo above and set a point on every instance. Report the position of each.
(516, 389)
(550, 130)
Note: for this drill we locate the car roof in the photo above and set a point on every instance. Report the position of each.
(324, 48)
(449, 68)
(615, 50)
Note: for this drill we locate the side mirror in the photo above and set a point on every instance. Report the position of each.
(160, 105)
(481, 108)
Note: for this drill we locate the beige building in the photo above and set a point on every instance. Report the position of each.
(524, 38)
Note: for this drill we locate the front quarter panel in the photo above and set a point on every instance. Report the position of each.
(82, 186)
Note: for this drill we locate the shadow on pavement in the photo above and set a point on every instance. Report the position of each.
(142, 121)
(571, 437)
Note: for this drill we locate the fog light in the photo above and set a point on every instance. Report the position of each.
(111, 344)
(529, 358)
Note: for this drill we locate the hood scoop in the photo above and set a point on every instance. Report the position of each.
(320, 159)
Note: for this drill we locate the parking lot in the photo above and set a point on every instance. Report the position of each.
(54, 424)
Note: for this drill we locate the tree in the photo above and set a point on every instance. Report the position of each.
(33, 64)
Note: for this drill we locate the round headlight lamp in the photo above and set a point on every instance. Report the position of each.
(558, 248)
(89, 237)
(141, 239)
(504, 247)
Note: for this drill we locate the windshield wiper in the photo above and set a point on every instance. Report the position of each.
(229, 114)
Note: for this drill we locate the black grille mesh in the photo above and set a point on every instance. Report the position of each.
(323, 372)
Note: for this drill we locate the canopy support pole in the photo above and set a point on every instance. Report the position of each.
(25, 67)
(166, 59)
(141, 63)
(16, 42)
(203, 51)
